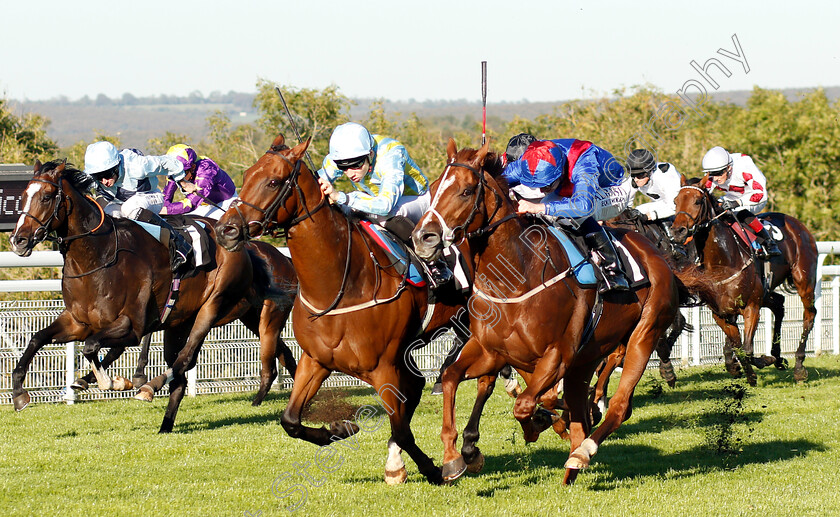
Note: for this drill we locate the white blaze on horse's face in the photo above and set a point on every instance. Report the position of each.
(31, 190)
(447, 180)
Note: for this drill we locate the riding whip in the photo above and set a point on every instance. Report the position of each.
(294, 127)
(483, 102)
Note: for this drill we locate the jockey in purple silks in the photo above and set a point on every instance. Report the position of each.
(202, 180)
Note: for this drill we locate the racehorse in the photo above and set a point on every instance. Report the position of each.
(116, 282)
(541, 324)
(354, 313)
(733, 282)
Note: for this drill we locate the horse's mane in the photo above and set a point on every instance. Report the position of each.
(80, 180)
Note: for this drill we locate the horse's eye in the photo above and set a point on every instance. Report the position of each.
(468, 192)
(273, 183)
(698, 201)
(46, 198)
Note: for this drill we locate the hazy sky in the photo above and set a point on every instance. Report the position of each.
(539, 51)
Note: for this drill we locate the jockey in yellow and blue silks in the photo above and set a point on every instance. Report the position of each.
(384, 177)
(579, 181)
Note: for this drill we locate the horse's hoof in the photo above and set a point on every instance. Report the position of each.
(437, 389)
(512, 388)
(762, 361)
(122, 384)
(781, 363)
(454, 469)
(571, 475)
(21, 401)
(476, 465)
(752, 380)
(79, 385)
(734, 370)
(800, 374)
(139, 380)
(145, 393)
(396, 477)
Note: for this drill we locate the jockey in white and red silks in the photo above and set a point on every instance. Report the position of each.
(745, 192)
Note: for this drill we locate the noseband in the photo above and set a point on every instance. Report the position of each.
(43, 230)
(282, 196)
(707, 207)
(448, 234)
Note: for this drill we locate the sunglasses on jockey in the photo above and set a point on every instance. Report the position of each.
(351, 163)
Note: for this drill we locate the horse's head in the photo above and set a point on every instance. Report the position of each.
(695, 208)
(270, 195)
(45, 206)
(459, 201)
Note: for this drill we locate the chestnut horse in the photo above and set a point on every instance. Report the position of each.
(732, 281)
(541, 323)
(354, 313)
(116, 281)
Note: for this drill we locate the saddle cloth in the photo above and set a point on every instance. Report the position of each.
(749, 237)
(193, 230)
(405, 259)
(582, 267)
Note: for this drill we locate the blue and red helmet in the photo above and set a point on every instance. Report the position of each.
(540, 166)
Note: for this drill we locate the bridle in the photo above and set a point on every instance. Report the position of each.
(707, 207)
(268, 213)
(448, 234)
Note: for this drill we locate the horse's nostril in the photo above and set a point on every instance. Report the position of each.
(430, 239)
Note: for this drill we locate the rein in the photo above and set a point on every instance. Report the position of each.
(707, 206)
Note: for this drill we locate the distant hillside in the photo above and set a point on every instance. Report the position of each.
(136, 120)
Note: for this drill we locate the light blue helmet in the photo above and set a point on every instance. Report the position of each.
(350, 140)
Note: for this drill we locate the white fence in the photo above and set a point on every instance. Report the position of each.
(229, 358)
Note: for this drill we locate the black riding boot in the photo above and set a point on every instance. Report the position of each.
(614, 279)
(771, 249)
(179, 249)
(439, 273)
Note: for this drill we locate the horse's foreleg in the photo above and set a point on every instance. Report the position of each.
(752, 314)
(267, 333)
(120, 383)
(666, 346)
(604, 371)
(808, 317)
(308, 379)
(548, 370)
(776, 304)
(139, 378)
(731, 347)
(469, 450)
(576, 399)
(119, 334)
(173, 339)
(473, 362)
(63, 329)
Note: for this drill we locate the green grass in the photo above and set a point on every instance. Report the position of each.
(779, 457)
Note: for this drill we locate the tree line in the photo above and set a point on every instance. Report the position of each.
(794, 142)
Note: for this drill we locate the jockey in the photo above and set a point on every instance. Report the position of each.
(660, 181)
(202, 180)
(126, 183)
(386, 181)
(579, 181)
(745, 189)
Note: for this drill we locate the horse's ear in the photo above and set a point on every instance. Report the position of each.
(279, 141)
(683, 181)
(481, 154)
(298, 150)
(37, 167)
(61, 167)
(451, 149)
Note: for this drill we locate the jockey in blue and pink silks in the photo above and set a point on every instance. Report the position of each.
(579, 181)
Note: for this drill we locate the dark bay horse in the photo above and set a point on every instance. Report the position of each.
(117, 279)
(354, 313)
(732, 282)
(541, 315)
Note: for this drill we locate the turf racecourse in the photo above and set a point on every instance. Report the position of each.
(690, 450)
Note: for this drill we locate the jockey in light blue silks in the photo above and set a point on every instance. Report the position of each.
(579, 181)
(386, 181)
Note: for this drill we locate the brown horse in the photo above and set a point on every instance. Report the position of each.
(354, 313)
(733, 282)
(117, 279)
(541, 316)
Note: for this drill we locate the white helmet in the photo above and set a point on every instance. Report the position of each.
(716, 161)
(100, 157)
(349, 141)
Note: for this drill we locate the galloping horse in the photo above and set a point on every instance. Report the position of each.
(354, 313)
(732, 281)
(117, 280)
(541, 322)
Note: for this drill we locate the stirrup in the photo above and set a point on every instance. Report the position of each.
(772, 250)
(613, 281)
(439, 275)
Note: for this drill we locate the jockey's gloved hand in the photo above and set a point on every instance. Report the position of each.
(729, 204)
(635, 214)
